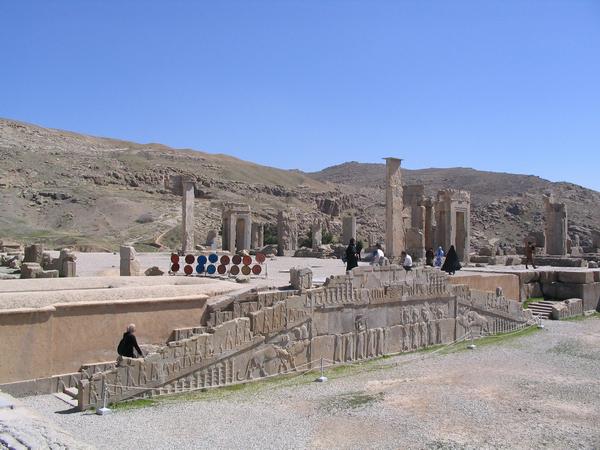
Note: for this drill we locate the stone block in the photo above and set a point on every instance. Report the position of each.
(579, 277)
(47, 274)
(569, 308)
(153, 271)
(34, 253)
(589, 293)
(301, 278)
(69, 269)
(30, 270)
(127, 252)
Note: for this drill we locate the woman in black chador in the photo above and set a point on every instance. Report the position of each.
(452, 263)
(351, 256)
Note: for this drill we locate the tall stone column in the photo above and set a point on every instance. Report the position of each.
(556, 227)
(187, 244)
(316, 231)
(348, 229)
(429, 219)
(394, 228)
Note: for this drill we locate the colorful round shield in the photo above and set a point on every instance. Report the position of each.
(236, 259)
(200, 268)
(188, 270)
(211, 269)
(221, 269)
(202, 259)
(175, 268)
(225, 260)
(246, 270)
(247, 260)
(190, 259)
(260, 258)
(213, 258)
(256, 269)
(174, 258)
(234, 270)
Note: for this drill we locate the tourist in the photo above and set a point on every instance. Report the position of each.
(377, 255)
(406, 261)
(351, 255)
(129, 343)
(359, 247)
(429, 257)
(452, 263)
(439, 254)
(529, 252)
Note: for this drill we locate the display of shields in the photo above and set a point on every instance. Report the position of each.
(236, 259)
(211, 269)
(174, 258)
(188, 269)
(221, 268)
(190, 259)
(246, 270)
(225, 260)
(202, 260)
(234, 270)
(256, 269)
(200, 268)
(247, 260)
(260, 258)
(175, 267)
(213, 258)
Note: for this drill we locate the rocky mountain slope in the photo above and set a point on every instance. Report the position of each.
(96, 193)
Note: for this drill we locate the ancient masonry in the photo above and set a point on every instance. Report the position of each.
(188, 188)
(453, 221)
(287, 233)
(348, 229)
(238, 228)
(369, 312)
(394, 226)
(556, 227)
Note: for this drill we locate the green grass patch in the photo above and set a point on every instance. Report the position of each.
(351, 400)
(134, 404)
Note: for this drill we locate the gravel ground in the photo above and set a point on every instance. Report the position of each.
(539, 390)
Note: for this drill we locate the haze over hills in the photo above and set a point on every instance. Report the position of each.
(90, 192)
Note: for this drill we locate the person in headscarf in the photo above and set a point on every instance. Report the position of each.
(351, 255)
(429, 255)
(439, 254)
(452, 263)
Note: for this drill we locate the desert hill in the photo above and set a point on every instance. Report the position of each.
(90, 192)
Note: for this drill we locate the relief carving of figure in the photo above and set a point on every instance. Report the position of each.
(263, 356)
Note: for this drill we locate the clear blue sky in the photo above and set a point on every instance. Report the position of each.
(509, 85)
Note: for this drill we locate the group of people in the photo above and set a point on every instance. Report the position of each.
(449, 264)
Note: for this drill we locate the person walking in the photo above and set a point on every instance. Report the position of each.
(439, 255)
(529, 252)
(129, 343)
(407, 262)
(351, 256)
(452, 263)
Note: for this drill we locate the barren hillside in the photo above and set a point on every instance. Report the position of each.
(70, 189)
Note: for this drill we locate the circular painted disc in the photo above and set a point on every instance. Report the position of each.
(211, 269)
(202, 259)
(221, 268)
(246, 270)
(234, 270)
(225, 260)
(174, 258)
(190, 259)
(188, 270)
(200, 268)
(236, 259)
(256, 269)
(213, 257)
(247, 260)
(175, 268)
(260, 257)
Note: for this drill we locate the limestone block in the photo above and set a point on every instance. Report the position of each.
(47, 274)
(301, 278)
(127, 252)
(34, 253)
(569, 308)
(30, 270)
(153, 271)
(580, 277)
(69, 269)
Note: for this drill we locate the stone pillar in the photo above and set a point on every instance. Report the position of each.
(556, 227)
(261, 236)
(316, 231)
(129, 265)
(34, 253)
(394, 228)
(255, 235)
(287, 233)
(453, 222)
(348, 229)
(428, 229)
(187, 244)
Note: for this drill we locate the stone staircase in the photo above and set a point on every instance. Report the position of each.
(541, 309)
(68, 395)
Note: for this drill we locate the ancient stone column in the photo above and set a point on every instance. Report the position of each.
(348, 229)
(394, 228)
(129, 265)
(556, 227)
(287, 233)
(261, 236)
(316, 231)
(255, 235)
(187, 244)
(429, 219)
(453, 221)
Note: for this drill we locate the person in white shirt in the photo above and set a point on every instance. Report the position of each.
(406, 261)
(377, 255)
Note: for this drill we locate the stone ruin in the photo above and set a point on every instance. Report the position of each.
(348, 229)
(287, 233)
(129, 265)
(555, 232)
(239, 233)
(369, 312)
(40, 264)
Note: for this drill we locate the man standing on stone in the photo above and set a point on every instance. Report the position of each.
(529, 252)
(129, 343)
(406, 261)
(351, 256)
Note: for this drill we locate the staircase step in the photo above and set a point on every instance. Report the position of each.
(71, 392)
(66, 398)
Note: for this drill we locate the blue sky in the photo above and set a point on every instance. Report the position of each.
(511, 86)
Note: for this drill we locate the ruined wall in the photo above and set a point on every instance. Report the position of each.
(371, 311)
